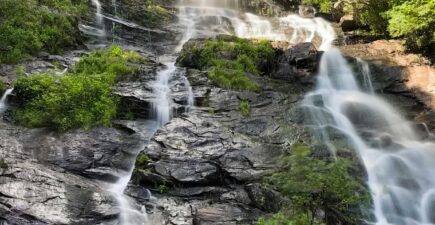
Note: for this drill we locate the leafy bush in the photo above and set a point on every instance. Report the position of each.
(230, 58)
(314, 184)
(414, 20)
(30, 26)
(2, 88)
(146, 13)
(81, 98)
(325, 5)
(286, 218)
(245, 107)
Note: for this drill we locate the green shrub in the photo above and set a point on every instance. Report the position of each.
(415, 21)
(81, 98)
(286, 218)
(147, 13)
(30, 26)
(324, 5)
(314, 184)
(245, 107)
(228, 59)
(142, 161)
(2, 88)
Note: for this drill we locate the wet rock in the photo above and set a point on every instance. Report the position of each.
(32, 192)
(307, 11)
(297, 64)
(224, 215)
(348, 23)
(264, 198)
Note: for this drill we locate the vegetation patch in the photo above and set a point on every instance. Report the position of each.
(81, 98)
(314, 185)
(2, 88)
(30, 26)
(229, 59)
(245, 107)
(413, 20)
(146, 13)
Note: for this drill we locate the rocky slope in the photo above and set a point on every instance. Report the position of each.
(205, 166)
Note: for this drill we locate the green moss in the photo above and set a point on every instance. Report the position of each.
(228, 59)
(245, 107)
(148, 13)
(142, 161)
(2, 87)
(30, 26)
(314, 184)
(3, 164)
(81, 98)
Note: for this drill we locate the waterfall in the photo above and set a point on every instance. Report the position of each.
(365, 71)
(400, 166)
(3, 100)
(163, 104)
(97, 29)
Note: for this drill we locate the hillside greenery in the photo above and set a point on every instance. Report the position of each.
(230, 59)
(30, 26)
(82, 98)
(315, 185)
(413, 20)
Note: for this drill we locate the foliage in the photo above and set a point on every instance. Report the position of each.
(314, 184)
(81, 98)
(286, 218)
(245, 107)
(414, 20)
(142, 161)
(30, 26)
(2, 87)
(230, 58)
(146, 13)
(325, 5)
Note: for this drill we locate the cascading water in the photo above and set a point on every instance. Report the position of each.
(400, 166)
(163, 102)
(97, 29)
(366, 73)
(3, 104)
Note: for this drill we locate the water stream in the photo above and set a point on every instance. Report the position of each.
(3, 100)
(400, 166)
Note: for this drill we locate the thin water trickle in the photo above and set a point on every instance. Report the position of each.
(366, 73)
(3, 100)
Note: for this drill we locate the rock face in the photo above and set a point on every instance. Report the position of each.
(406, 80)
(47, 178)
(207, 166)
(297, 64)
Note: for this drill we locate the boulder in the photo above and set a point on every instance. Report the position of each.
(297, 64)
(348, 23)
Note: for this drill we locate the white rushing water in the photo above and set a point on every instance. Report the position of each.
(3, 100)
(163, 104)
(97, 29)
(400, 166)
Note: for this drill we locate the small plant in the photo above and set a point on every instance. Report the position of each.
(245, 107)
(313, 185)
(3, 164)
(142, 161)
(2, 88)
